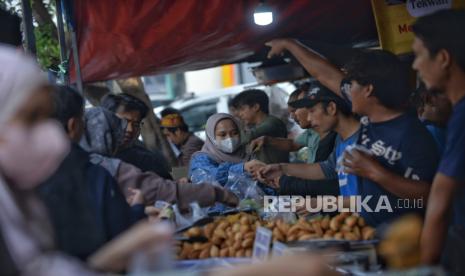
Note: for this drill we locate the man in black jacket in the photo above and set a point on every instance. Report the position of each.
(132, 151)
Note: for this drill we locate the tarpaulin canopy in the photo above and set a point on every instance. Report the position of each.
(124, 38)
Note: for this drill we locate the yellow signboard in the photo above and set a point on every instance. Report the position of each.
(394, 21)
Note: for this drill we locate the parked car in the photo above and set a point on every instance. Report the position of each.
(157, 100)
(196, 110)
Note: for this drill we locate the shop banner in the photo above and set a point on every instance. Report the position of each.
(394, 20)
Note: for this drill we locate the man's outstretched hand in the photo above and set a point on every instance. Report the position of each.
(270, 172)
(278, 46)
(362, 164)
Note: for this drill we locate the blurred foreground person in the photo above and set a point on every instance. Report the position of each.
(31, 148)
(85, 204)
(439, 48)
(295, 265)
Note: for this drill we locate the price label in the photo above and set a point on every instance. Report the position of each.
(261, 247)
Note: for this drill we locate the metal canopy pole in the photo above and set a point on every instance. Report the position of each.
(76, 62)
(28, 27)
(62, 39)
(68, 9)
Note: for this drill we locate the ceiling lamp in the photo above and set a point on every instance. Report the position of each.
(263, 15)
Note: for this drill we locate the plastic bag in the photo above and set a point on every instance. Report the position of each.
(247, 190)
(195, 213)
(200, 176)
(287, 217)
(244, 187)
(179, 219)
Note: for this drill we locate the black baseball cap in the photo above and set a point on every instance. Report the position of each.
(317, 94)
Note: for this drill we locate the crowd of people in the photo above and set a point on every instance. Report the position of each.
(75, 183)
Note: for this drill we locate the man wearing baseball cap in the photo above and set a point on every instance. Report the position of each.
(326, 112)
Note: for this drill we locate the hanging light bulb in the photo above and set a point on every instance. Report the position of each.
(263, 15)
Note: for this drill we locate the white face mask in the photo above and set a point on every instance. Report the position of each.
(228, 145)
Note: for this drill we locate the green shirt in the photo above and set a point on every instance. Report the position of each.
(309, 139)
(272, 127)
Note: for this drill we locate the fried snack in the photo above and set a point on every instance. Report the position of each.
(204, 254)
(245, 228)
(247, 243)
(231, 219)
(335, 224)
(317, 228)
(240, 253)
(291, 238)
(345, 228)
(214, 251)
(308, 237)
(194, 232)
(327, 236)
(325, 223)
(208, 230)
(224, 252)
(234, 235)
(294, 229)
(222, 225)
(278, 235)
(368, 233)
(282, 226)
(350, 236)
(250, 235)
(236, 227)
(401, 245)
(194, 254)
(351, 221)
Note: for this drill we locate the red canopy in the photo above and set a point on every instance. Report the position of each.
(124, 38)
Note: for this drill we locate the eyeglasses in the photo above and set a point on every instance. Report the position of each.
(135, 124)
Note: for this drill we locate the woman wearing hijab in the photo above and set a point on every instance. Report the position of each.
(105, 132)
(222, 153)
